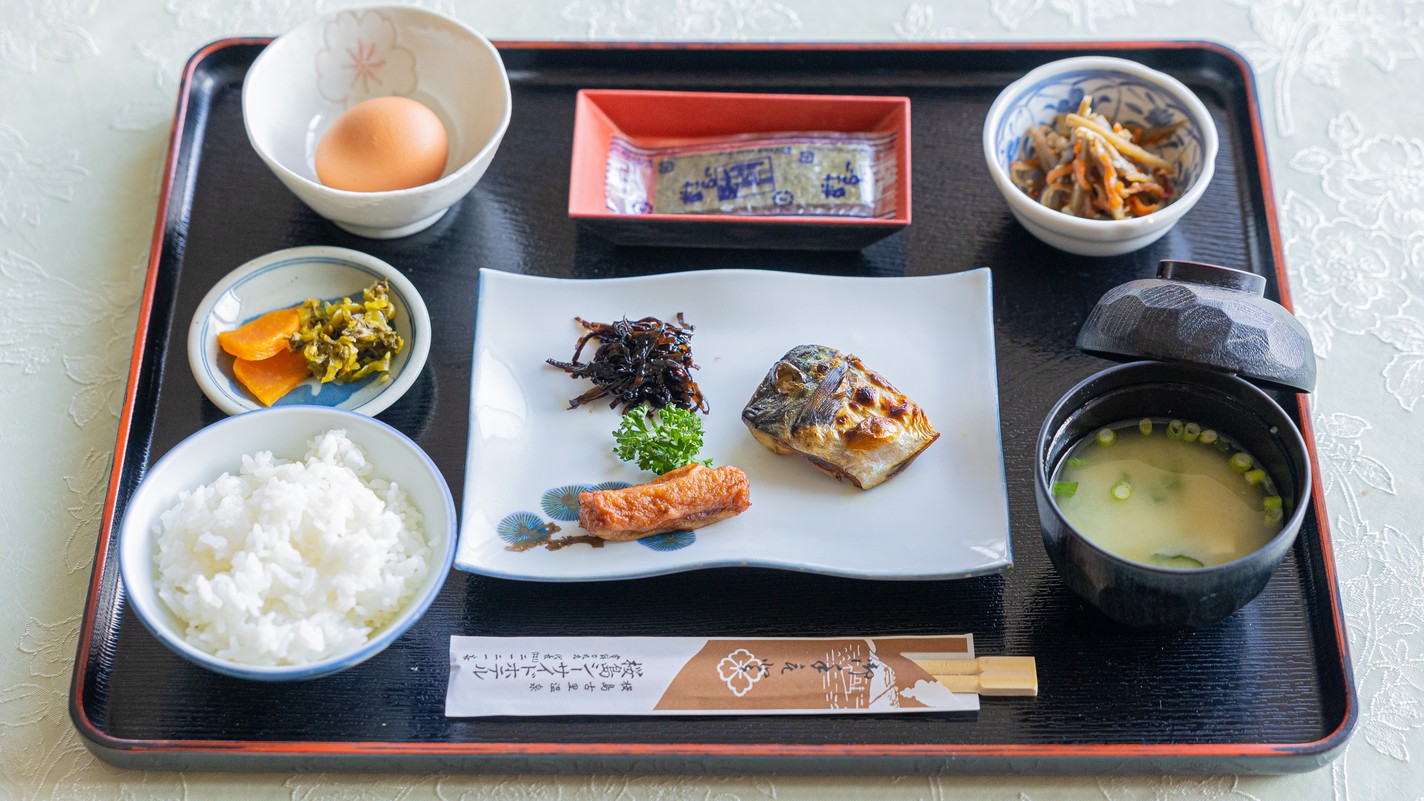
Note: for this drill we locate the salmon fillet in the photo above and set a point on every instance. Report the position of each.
(692, 496)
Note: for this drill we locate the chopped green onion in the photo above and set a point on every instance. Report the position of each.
(1065, 489)
(1145, 425)
(1179, 561)
(1208, 437)
(1274, 509)
(1121, 491)
(1191, 432)
(1255, 477)
(1076, 462)
(1222, 445)
(1106, 437)
(1240, 462)
(1174, 430)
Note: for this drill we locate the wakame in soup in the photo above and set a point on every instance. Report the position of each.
(1167, 493)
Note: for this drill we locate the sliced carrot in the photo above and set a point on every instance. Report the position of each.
(271, 378)
(1142, 186)
(1079, 166)
(1112, 187)
(1139, 208)
(262, 338)
(1058, 172)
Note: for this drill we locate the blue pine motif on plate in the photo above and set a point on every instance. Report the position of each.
(671, 541)
(562, 503)
(523, 527)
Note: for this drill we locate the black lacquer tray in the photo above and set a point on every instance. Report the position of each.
(1267, 690)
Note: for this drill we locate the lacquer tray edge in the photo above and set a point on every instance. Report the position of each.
(167, 245)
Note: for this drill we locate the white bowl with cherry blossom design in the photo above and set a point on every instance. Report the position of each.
(309, 76)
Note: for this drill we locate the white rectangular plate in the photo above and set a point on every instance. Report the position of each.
(945, 516)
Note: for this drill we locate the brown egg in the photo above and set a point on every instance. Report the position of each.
(382, 144)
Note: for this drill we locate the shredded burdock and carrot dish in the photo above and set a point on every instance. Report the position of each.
(1088, 166)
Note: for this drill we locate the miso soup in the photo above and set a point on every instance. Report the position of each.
(1167, 493)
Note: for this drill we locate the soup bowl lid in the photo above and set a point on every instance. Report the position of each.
(1207, 315)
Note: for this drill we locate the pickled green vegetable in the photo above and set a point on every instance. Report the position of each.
(346, 341)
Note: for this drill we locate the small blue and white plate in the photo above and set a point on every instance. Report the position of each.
(282, 280)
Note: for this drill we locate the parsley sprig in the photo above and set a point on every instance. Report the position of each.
(662, 444)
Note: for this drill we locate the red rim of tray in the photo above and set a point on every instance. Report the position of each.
(1105, 751)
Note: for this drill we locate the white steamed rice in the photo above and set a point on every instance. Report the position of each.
(290, 562)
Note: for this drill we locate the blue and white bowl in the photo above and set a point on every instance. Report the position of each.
(1125, 92)
(219, 448)
(284, 279)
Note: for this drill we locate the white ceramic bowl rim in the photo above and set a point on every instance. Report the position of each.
(1096, 229)
(445, 180)
(407, 295)
(407, 617)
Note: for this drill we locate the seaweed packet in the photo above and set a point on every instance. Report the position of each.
(817, 173)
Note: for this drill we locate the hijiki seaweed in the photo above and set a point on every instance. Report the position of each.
(639, 361)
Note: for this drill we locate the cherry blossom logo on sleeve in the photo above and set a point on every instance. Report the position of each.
(360, 59)
(740, 670)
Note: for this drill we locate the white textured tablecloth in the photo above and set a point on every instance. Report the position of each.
(86, 94)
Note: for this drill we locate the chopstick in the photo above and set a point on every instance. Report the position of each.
(987, 675)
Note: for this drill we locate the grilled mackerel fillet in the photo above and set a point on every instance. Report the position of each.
(846, 418)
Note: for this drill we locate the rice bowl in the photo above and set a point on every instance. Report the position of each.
(288, 562)
(248, 577)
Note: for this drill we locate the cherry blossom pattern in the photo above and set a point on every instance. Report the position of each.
(741, 670)
(1361, 270)
(1377, 182)
(195, 22)
(51, 761)
(918, 25)
(1382, 581)
(40, 320)
(682, 19)
(1404, 374)
(1080, 13)
(85, 509)
(50, 29)
(361, 59)
(1318, 39)
(1346, 473)
(1352, 278)
(1174, 788)
(29, 181)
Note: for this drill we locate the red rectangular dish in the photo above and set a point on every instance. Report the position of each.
(1268, 690)
(660, 118)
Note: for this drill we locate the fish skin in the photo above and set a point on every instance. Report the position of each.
(847, 419)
